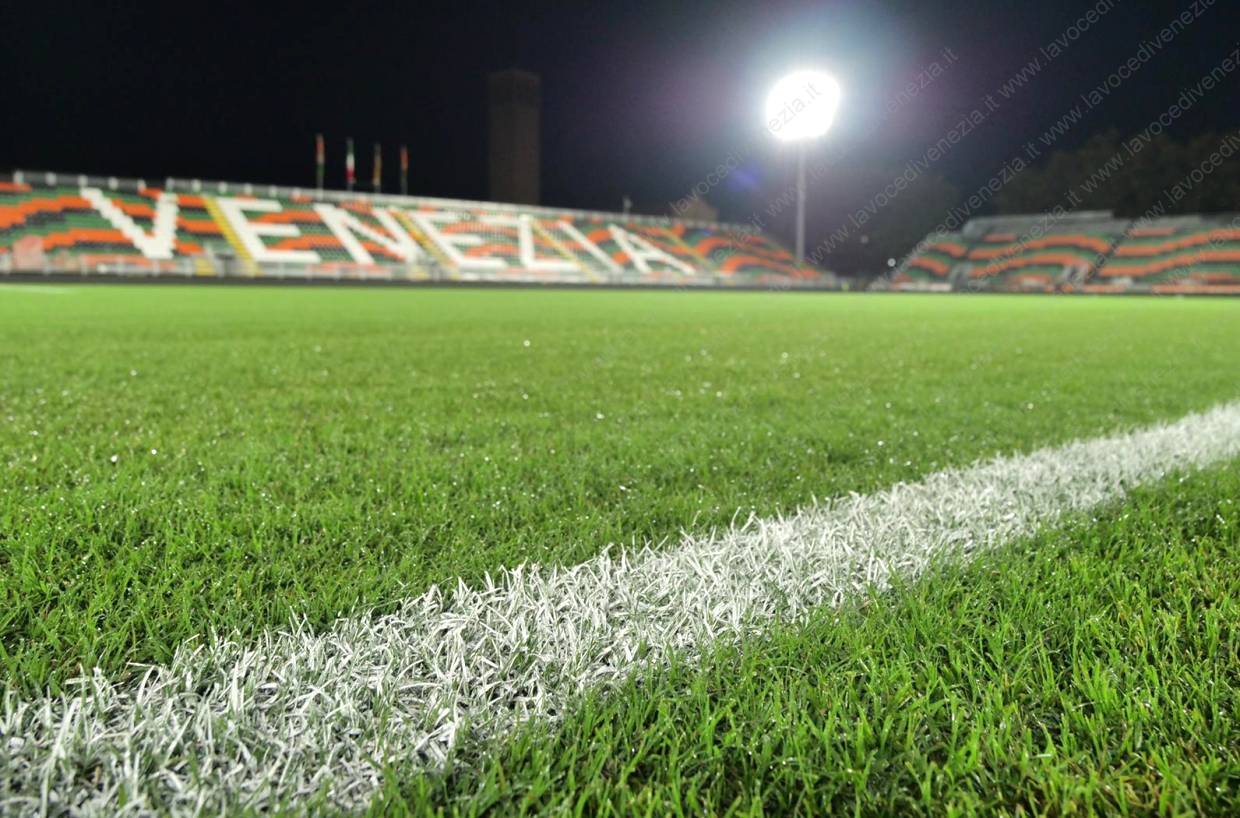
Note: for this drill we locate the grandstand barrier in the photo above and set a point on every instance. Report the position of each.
(1089, 252)
(77, 225)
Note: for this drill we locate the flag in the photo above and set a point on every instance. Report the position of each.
(349, 169)
(404, 170)
(377, 177)
(320, 160)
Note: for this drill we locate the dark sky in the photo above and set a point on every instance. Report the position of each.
(643, 98)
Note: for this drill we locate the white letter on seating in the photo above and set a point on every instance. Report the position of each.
(251, 233)
(346, 227)
(525, 246)
(451, 244)
(157, 245)
(643, 252)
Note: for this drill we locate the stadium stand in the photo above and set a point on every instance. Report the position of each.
(1079, 252)
(1186, 255)
(54, 224)
(1039, 254)
(741, 253)
(930, 267)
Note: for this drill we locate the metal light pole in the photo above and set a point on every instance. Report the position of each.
(800, 203)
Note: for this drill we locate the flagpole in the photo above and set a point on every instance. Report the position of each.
(320, 161)
(350, 174)
(377, 176)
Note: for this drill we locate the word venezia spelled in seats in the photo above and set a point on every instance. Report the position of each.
(104, 226)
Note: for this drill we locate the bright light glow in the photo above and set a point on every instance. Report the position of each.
(802, 105)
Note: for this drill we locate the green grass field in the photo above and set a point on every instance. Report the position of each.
(180, 461)
(1070, 674)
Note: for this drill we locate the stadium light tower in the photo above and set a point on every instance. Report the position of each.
(800, 108)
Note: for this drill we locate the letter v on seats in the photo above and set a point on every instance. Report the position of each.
(158, 244)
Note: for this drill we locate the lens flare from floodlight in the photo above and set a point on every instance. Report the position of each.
(802, 105)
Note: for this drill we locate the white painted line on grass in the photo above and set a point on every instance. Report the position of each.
(298, 713)
(35, 289)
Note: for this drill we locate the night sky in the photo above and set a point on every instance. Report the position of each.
(639, 98)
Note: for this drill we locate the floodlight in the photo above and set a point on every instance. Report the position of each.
(802, 105)
(799, 108)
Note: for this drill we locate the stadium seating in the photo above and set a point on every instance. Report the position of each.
(51, 224)
(930, 267)
(1175, 256)
(75, 234)
(1083, 252)
(1040, 257)
(742, 253)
